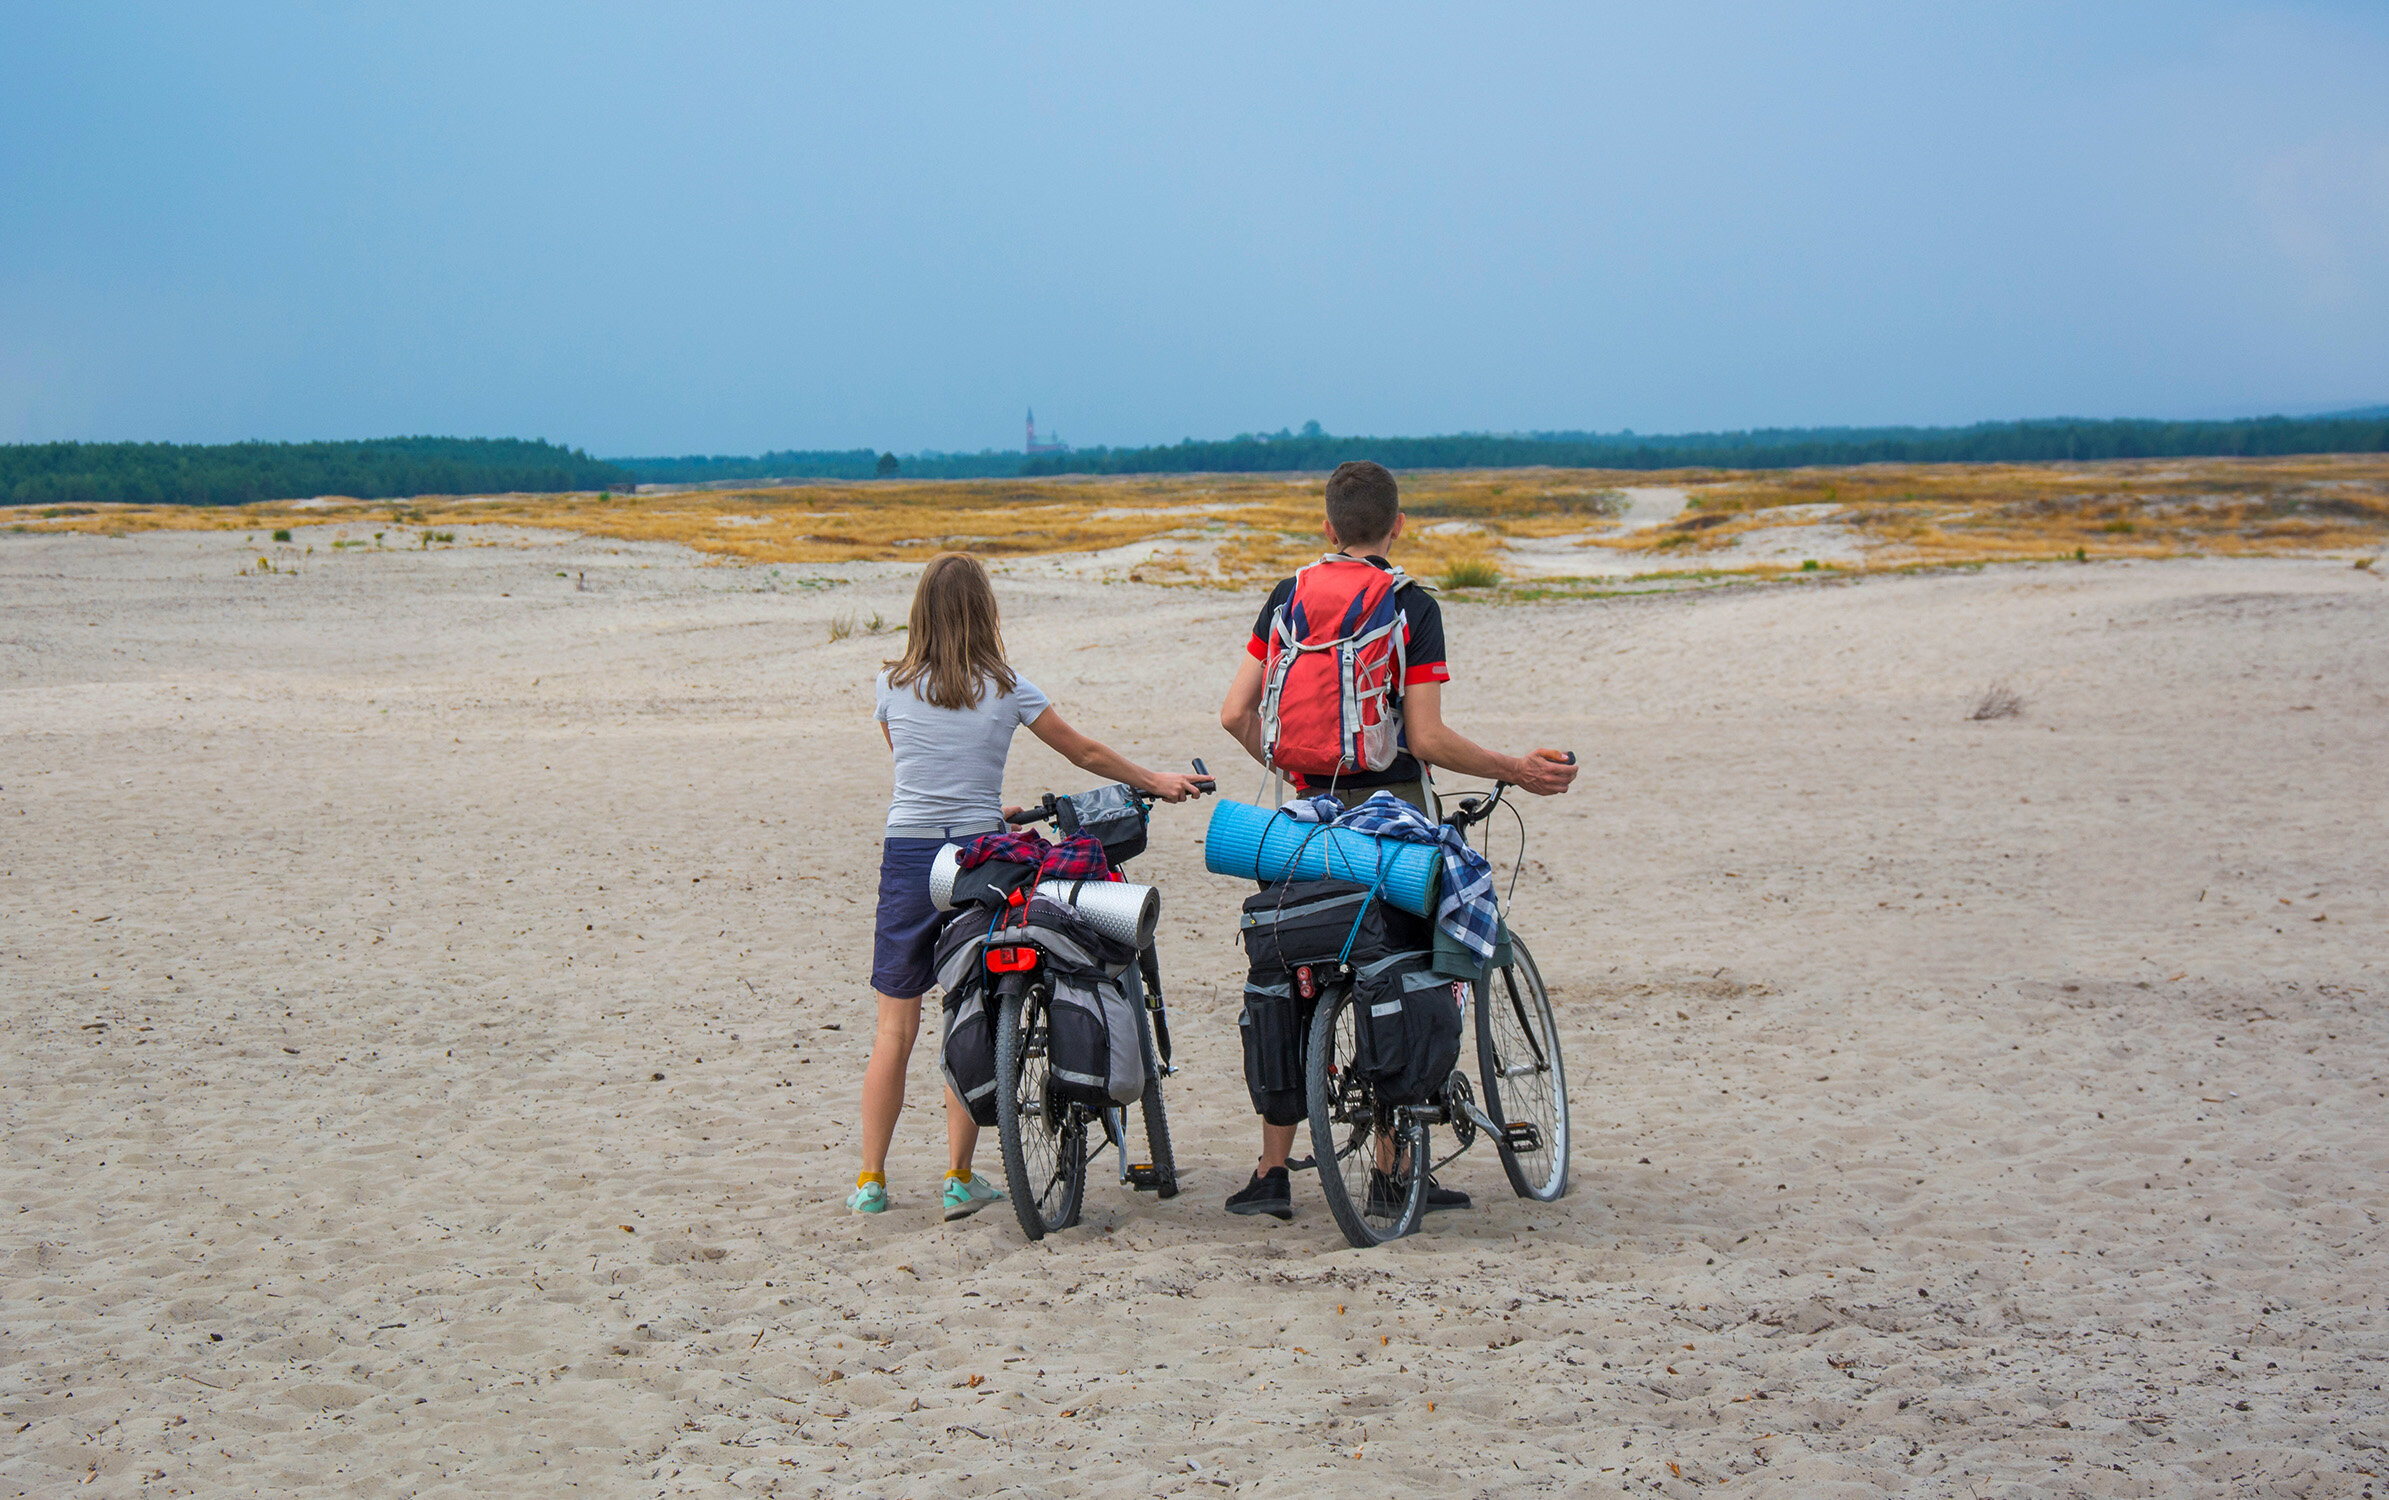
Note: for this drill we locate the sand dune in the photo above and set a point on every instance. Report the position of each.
(434, 1006)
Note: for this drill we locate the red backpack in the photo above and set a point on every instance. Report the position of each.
(1332, 680)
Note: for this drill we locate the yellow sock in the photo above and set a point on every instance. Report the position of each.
(960, 1174)
(865, 1179)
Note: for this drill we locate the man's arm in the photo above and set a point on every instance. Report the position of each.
(1240, 715)
(1438, 744)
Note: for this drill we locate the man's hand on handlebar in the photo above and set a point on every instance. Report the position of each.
(1546, 773)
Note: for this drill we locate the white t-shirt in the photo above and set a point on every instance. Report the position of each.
(950, 761)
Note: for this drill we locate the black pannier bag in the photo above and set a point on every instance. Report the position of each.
(991, 885)
(1092, 1051)
(1111, 815)
(967, 1056)
(1408, 1026)
(1301, 922)
(1276, 1027)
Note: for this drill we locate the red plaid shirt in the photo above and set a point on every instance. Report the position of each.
(1079, 857)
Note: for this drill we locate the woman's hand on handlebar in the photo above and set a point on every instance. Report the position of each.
(1173, 786)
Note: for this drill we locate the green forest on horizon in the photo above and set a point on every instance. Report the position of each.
(1313, 449)
(239, 473)
(388, 468)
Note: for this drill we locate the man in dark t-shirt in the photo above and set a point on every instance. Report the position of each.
(1364, 518)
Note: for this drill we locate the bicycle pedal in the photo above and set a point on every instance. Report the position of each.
(1522, 1137)
(1145, 1177)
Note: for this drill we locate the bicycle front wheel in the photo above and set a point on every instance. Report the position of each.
(1372, 1161)
(1157, 1120)
(1045, 1139)
(1526, 1088)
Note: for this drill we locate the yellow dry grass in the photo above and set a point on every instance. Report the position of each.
(1905, 514)
(1235, 528)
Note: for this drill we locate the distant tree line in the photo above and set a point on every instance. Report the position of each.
(237, 473)
(1770, 448)
(838, 463)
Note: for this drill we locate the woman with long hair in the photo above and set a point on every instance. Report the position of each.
(948, 707)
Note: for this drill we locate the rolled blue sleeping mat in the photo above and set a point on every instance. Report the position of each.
(1257, 843)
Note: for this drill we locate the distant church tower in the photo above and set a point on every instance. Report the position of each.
(1050, 445)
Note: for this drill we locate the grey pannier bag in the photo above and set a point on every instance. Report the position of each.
(1091, 1047)
(1093, 1050)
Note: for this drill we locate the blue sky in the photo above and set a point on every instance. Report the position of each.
(727, 227)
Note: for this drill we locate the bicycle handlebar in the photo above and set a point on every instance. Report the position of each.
(1475, 810)
(1048, 811)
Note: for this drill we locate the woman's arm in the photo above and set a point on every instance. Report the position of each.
(1099, 759)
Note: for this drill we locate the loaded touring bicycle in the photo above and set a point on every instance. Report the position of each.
(1055, 1020)
(1355, 1014)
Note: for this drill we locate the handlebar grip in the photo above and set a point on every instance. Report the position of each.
(1563, 757)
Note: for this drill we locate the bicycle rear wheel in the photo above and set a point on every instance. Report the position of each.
(1045, 1140)
(1372, 1160)
(1526, 1088)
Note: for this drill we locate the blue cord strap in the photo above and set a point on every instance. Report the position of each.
(1375, 886)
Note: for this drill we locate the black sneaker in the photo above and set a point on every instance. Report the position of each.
(1440, 1197)
(1386, 1196)
(1269, 1193)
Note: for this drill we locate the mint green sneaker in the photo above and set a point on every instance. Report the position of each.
(966, 1198)
(870, 1198)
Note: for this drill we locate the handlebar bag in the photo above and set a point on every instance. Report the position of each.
(1299, 922)
(1109, 813)
(1408, 1026)
(1276, 1026)
(967, 1056)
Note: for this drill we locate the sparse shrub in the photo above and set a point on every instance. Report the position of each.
(1808, 565)
(2118, 528)
(1470, 573)
(875, 625)
(841, 626)
(1999, 701)
(282, 534)
(2082, 554)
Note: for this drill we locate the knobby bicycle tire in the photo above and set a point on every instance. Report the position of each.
(1348, 1126)
(1157, 1120)
(1045, 1145)
(1526, 1083)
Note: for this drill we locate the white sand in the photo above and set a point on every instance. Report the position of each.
(1963, 1108)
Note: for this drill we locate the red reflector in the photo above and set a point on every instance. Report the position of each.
(1010, 960)
(1302, 983)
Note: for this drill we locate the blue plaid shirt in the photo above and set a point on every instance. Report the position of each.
(1466, 909)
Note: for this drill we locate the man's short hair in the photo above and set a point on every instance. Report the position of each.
(1362, 501)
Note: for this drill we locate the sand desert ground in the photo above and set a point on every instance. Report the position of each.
(434, 1004)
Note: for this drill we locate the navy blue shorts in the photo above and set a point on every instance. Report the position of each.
(904, 943)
